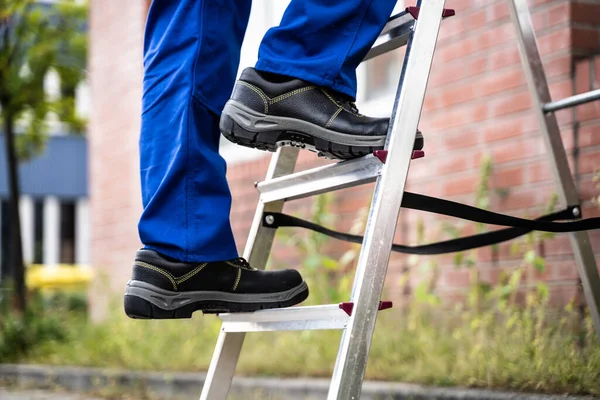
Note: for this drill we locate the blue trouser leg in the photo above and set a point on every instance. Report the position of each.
(191, 56)
(323, 41)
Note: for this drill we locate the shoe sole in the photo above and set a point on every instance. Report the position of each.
(246, 127)
(146, 301)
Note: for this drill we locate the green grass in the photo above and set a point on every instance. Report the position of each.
(507, 348)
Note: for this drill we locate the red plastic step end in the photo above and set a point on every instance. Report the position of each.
(349, 306)
(448, 12)
(414, 11)
(418, 154)
(382, 155)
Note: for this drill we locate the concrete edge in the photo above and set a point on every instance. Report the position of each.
(187, 385)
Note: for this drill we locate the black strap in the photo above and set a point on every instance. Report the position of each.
(519, 226)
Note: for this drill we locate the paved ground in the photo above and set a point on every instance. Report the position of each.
(40, 395)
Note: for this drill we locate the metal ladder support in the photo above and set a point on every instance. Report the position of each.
(544, 109)
(372, 265)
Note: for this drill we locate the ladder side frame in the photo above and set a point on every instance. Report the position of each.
(538, 87)
(258, 248)
(372, 266)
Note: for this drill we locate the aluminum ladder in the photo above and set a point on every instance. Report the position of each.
(417, 28)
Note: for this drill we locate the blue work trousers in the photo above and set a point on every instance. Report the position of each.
(191, 57)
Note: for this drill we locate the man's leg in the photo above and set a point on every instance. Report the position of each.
(185, 194)
(320, 43)
(189, 261)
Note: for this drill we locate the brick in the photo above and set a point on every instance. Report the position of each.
(559, 14)
(459, 185)
(589, 160)
(589, 111)
(504, 56)
(502, 81)
(511, 103)
(561, 90)
(582, 76)
(509, 128)
(585, 41)
(557, 66)
(515, 150)
(449, 165)
(457, 278)
(459, 117)
(519, 198)
(554, 41)
(456, 71)
(457, 95)
(498, 12)
(585, 13)
(588, 135)
(458, 49)
(460, 140)
(507, 177)
(564, 294)
(539, 171)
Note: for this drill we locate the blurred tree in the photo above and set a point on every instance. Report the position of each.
(36, 38)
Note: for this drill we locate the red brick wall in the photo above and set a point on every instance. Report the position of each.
(477, 103)
(115, 74)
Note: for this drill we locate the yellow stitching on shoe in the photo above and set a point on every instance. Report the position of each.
(237, 281)
(240, 266)
(193, 272)
(290, 94)
(264, 98)
(333, 117)
(329, 97)
(154, 268)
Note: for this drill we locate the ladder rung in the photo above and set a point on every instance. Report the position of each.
(572, 101)
(320, 180)
(394, 34)
(397, 31)
(286, 319)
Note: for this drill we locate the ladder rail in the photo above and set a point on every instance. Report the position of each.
(372, 265)
(258, 247)
(538, 87)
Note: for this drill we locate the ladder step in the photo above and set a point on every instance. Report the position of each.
(319, 180)
(328, 178)
(330, 316)
(394, 34)
(397, 31)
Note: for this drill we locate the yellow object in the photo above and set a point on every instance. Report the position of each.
(58, 276)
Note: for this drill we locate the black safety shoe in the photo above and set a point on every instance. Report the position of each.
(266, 111)
(162, 288)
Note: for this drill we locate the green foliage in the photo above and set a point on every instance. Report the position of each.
(34, 40)
(38, 326)
(510, 348)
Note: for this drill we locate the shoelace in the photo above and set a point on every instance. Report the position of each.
(344, 100)
(242, 262)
